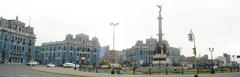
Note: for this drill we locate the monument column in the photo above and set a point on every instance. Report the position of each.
(160, 25)
(160, 57)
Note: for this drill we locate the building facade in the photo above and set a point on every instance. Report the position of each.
(174, 55)
(17, 41)
(228, 58)
(80, 50)
(141, 55)
(103, 50)
(110, 57)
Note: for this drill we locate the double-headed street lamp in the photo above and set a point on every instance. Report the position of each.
(191, 38)
(114, 25)
(211, 50)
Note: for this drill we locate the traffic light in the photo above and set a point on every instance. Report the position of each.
(238, 56)
(194, 51)
(190, 37)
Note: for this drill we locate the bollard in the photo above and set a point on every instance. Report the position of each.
(150, 71)
(212, 71)
(96, 70)
(197, 71)
(88, 69)
(238, 68)
(134, 71)
(182, 71)
(222, 70)
(166, 71)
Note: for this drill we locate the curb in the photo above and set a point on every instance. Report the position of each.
(61, 73)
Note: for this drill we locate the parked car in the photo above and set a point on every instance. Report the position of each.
(76, 65)
(104, 66)
(50, 65)
(68, 65)
(32, 63)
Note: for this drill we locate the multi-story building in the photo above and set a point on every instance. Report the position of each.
(174, 55)
(220, 61)
(80, 50)
(103, 50)
(142, 53)
(17, 41)
(228, 58)
(111, 57)
(204, 60)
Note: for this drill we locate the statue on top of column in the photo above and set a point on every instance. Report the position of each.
(160, 7)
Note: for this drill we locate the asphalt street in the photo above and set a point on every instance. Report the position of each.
(16, 70)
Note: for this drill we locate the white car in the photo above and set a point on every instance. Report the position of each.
(76, 65)
(68, 65)
(50, 65)
(31, 63)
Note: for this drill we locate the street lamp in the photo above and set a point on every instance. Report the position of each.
(191, 38)
(211, 50)
(114, 25)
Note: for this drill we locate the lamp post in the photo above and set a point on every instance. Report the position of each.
(191, 38)
(211, 50)
(113, 25)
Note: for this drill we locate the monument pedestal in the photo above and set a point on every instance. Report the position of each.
(161, 59)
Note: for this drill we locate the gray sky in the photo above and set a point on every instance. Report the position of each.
(216, 23)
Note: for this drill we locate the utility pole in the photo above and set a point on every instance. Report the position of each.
(191, 38)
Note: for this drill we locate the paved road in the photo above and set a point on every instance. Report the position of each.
(11, 70)
(14, 70)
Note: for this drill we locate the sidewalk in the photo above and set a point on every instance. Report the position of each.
(70, 71)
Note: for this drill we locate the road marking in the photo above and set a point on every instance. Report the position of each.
(21, 76)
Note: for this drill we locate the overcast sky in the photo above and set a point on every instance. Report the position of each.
(215, 23)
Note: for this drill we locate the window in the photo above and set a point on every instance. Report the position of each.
(6, 37)
(59, 47)
(78, 49)
(140, 52)
(58, 53)
(22, 48)
(54, 49)
(54, 54)
(11, 47)
(50, 48)
(95, 50)
(12, 39)
(19, 29)
(23, 41)
(88, 49)
(14, 47)
(4, 46)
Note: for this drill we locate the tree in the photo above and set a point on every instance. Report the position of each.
(37, 53)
